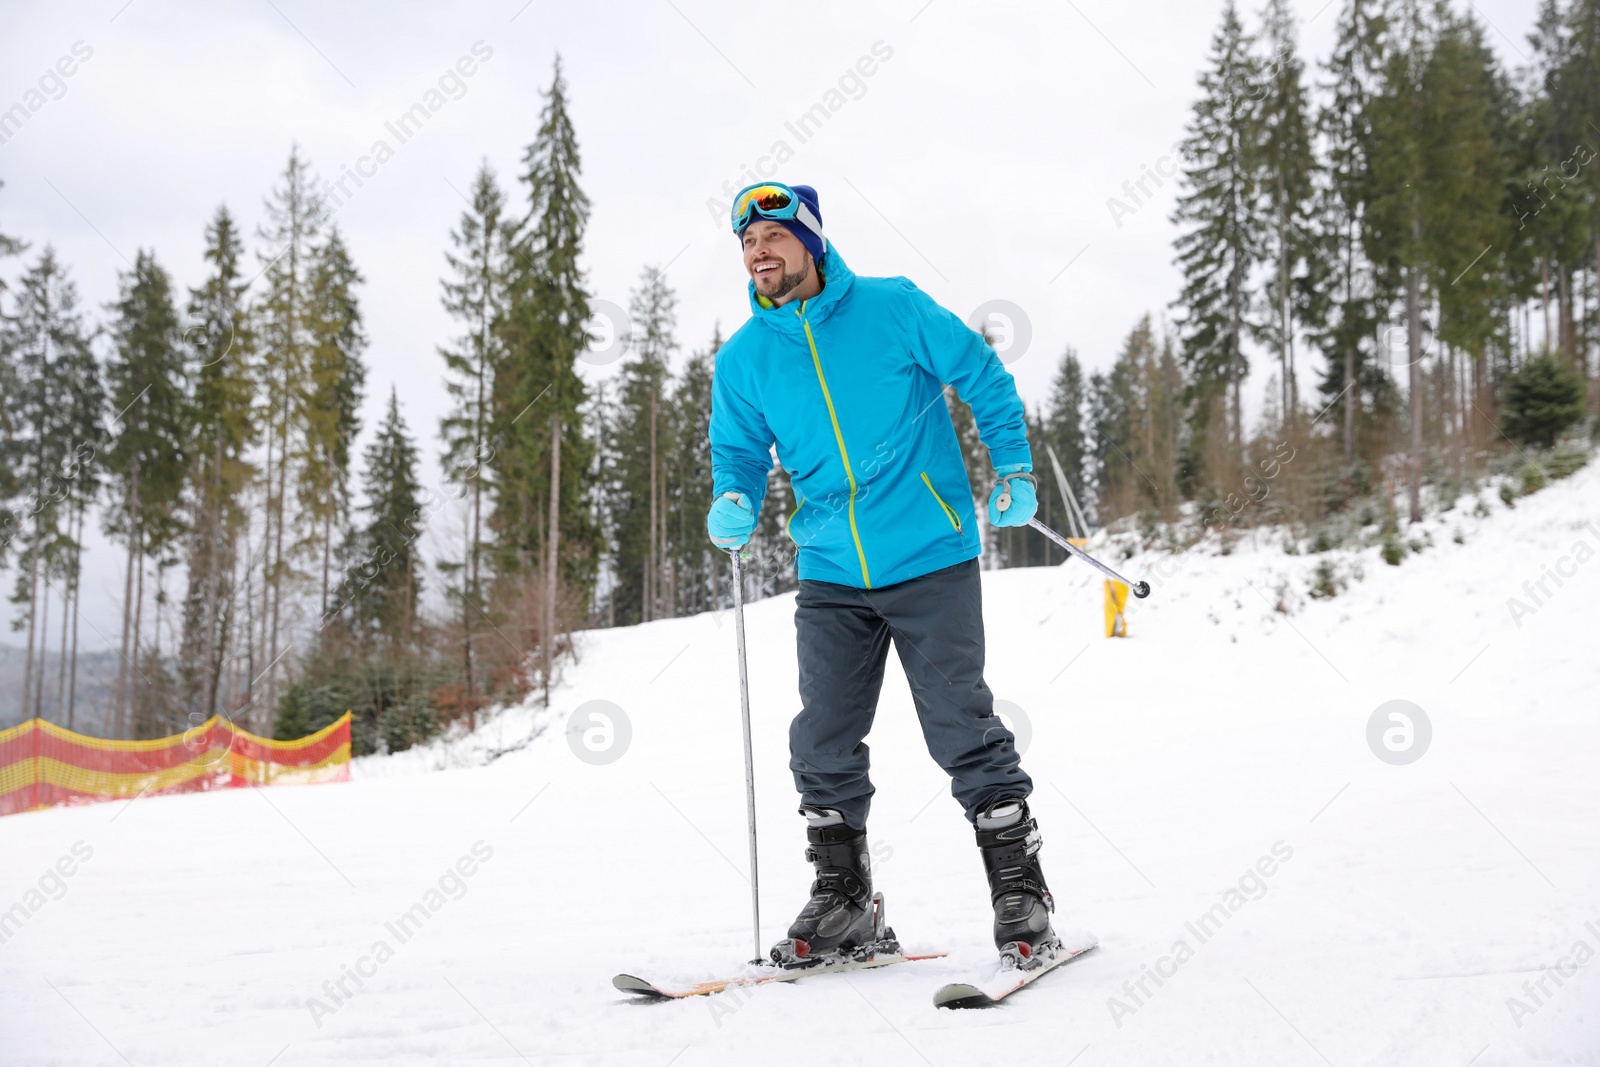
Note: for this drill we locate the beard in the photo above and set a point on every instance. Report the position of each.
(786, 283)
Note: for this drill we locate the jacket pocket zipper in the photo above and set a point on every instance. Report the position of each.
(955, 520)
(787, 522)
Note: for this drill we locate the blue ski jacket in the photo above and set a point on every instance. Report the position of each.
(848, 385)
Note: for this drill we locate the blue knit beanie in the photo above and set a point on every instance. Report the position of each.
(813, 240)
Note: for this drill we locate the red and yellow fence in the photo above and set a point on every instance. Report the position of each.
(42, 764)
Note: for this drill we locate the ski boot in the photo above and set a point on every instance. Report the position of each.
(1009, 839)
(843, 920)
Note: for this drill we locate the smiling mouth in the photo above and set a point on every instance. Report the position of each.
(764, 269)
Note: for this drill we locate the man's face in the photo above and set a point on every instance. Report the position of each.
(774, 258)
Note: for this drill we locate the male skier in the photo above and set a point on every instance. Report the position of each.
(845, 375)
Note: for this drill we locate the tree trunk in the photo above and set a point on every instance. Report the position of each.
(1283, 311)
(653, 570)
(213, 646)
(1566, 331)
(66, 615)
(1349, 355)
(271, 710)
(552, 549)
(1544, 290)
(33, 585)
(44, 638)
(327, 535)
(258, 634)
(477, 534)
(123, 678)
(138, 610)
(1414, 350)
(77, 597)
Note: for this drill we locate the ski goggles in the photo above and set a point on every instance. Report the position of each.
(772, 200)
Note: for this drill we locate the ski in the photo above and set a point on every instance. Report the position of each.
(760, 974)
(1009, 978)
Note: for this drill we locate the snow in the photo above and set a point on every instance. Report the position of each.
(1209, 804)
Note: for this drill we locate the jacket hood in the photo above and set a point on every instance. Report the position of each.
(837, 278)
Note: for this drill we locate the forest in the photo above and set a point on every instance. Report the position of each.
(1401, 238)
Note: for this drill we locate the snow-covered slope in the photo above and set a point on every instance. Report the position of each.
(1265, 888)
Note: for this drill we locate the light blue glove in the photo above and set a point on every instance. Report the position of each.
(1014, 499)
(730, 521)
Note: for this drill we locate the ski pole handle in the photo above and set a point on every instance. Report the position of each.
(1140, 589)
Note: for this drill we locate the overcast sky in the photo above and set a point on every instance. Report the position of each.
(976, 157)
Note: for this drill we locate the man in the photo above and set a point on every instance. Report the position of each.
(844, 374)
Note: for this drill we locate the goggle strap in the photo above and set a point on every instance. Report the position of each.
(811, 222)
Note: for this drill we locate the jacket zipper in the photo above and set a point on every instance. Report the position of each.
(838, 435)
(949, 513)
(787, 523)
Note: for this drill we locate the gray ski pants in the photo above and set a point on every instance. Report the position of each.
(936, 621)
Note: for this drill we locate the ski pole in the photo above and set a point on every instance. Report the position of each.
(1140, 589)
(749, 758)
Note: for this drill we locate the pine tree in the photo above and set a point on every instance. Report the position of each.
(1468, 227)
(283, 319)
(1565, 63)
(1396, 235)
(331, 409)
(48, 445)
(220, 347)
(1283, 171)
(1133, 421)
(1542, 399)
(645, 422)
(1580, 84)
(1221, 244)
(475, 297)
(689, 459)
(1545, 218)
(1344, 322)
(1063, 431)
(543, 332)
(83, 418)
(147, 458)
(389, 577)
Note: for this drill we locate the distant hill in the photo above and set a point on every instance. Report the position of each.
(97, 674)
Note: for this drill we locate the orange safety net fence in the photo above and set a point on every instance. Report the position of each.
(42, 764)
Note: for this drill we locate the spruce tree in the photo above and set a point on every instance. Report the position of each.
(1397, 228)
(1545, 221)
(1542, 399)
(49, 446)
(645, 423)
(1343, 323)
(546, 531)
(1580, 84)
(331, 408)
(293, 227)
(83, 416)
(1220, 211)
(1468, 228)
(1136, 444)
(1063, 431)
(475, 297)
(149, 448)
(1283, 171)
(389, 580)
(689, 459)
(220, 347)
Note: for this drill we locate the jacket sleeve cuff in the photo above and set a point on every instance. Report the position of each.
(1000, 457)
